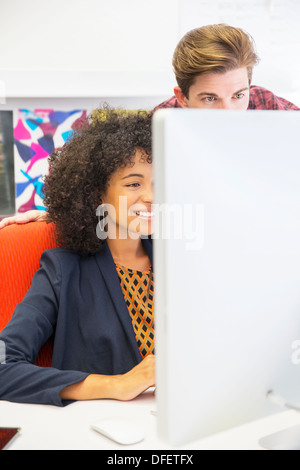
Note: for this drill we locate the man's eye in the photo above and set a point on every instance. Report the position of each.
(209, 98)
(239, 96)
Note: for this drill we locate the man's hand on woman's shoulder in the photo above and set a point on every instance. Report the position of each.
(29, 216)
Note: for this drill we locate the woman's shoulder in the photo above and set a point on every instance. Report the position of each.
(61, 252)
(64, 263)
(65, 256)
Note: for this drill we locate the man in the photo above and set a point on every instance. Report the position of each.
(213, 66)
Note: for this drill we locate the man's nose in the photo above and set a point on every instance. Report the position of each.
(225, 104)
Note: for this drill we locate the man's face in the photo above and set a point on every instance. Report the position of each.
(229, 90)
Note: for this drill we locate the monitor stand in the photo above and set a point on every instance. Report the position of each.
(287, 439)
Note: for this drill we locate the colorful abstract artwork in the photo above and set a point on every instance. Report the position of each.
(37, 133)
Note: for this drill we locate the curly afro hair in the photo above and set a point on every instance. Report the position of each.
(81, 169)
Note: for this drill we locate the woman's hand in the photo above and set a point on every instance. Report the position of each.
(137, 380)
(29, 216)
(118, 387)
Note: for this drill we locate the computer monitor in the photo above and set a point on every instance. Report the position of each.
(227, 267)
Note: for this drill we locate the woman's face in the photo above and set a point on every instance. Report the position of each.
(128, 199)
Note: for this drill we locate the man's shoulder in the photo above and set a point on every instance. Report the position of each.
(261, 98)
(169, 103)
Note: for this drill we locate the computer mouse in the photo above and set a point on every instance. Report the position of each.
(121, 430)
(286, 439)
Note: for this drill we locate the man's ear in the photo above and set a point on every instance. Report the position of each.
(182, 100)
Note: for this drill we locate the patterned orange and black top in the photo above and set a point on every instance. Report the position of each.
(138, 291)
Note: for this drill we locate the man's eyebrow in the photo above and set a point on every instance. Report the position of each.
(240, 91)
(133, 174)
(207, 93)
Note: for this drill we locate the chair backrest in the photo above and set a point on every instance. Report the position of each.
(21, 247)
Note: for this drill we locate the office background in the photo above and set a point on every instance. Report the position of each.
(61, 59)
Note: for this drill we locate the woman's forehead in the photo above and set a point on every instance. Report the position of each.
(138, 160)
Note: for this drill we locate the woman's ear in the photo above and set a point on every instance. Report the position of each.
(182, 100)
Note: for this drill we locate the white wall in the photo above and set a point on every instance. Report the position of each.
(88, 49)
(77, 53)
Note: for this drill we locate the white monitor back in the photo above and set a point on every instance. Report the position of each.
(227, 288)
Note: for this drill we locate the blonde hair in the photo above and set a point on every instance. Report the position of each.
(212, 49)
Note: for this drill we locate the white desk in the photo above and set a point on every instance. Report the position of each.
(68, 428)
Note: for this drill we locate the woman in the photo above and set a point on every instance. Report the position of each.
(94, 294)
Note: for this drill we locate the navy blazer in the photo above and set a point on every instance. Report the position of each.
(78, 300)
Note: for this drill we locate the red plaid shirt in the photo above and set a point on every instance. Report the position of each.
(260, 98)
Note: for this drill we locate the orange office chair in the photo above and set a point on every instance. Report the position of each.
(21, 247)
